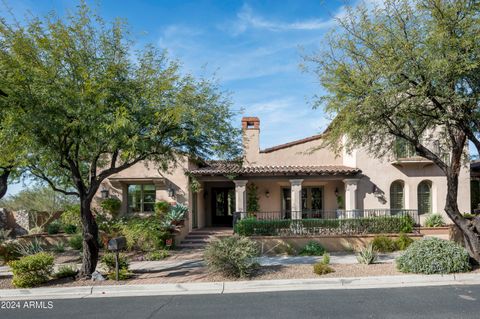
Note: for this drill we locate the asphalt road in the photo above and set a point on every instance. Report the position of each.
(420, 302)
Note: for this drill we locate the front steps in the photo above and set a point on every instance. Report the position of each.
(199, 238)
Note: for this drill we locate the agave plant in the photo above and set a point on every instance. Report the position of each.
(177, 213)
(26, 248)
(367, 255)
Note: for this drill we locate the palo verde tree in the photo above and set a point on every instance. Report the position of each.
(410, 71)
(93, 104)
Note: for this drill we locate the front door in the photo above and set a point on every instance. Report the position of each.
(223, 206)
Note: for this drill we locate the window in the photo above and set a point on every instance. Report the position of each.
(404, 149)
(312, 198)
(397, 195)
(141, 198)
(424, 197)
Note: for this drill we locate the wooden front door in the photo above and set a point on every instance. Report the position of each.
(223, 206)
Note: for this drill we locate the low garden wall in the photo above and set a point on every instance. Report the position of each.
(279, 244)
(47, 240)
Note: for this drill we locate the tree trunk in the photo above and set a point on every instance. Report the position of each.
(471, 233)
(90, 238)
(4, 182)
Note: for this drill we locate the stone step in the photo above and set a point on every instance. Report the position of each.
(196, 241)
(191, 246)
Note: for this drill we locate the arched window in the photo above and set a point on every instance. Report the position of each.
(397, 195)
(424, 197)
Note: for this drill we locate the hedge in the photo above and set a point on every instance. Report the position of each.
(366, 225)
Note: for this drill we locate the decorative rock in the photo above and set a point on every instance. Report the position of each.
(96, 276)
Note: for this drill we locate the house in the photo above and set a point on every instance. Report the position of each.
(290, 181)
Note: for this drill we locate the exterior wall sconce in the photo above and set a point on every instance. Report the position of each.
(171, 192)
(336, 192)
(267, 193)
(104, 193)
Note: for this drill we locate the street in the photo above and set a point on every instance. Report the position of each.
(418, 302)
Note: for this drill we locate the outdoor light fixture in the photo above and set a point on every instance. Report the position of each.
(171, 192)
(267, 193)
(336, 191)
(104, 193)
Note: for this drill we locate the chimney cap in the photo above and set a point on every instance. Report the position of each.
(250, 122)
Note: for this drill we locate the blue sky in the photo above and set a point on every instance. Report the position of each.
(254, 48)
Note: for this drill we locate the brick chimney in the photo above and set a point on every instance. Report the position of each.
(251, 139)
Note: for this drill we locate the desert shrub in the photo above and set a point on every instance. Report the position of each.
(111, 206)
(312, 248)
(54, 228)
(123, 274)
(59, 247)
(26, 248)
(66, 271)
(109, 260)
(326, 258)
(403, 241)
(76, 242)
(161, 208)
(71, 216)
(145, 234)
(232, 256)
(30, 271)
(70, 229)
(35, 230)
(157, 255)
(367, 255)
(384, 244)
(8, 251)
(322, 269)
(434, 256)
(434, 220)
(4, 234)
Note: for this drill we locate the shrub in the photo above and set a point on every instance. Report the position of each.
(30, 271)
(59, 247)
(232, 256)
(403, 241)
(123, 274)
(367, 255)
(434, 256)
(109, 260)
(161, 208)
(76, 242)
(322, 269)
(111, 206)
(434, 220)
(4, 233)
(26, 248)
(8, 251)
(177, 213)
(66, 271)
(71, 216)
(54, 228)
(70, 229)
(35, 230)
(326, 258)
(384, 244)
(157, 255)
(145, 234)
(312, 248)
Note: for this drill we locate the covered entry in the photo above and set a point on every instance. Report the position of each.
(223, 206)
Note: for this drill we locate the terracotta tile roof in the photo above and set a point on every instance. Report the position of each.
(226, 167)
(290, 144)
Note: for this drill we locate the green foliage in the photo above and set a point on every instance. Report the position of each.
(54, 228)
(434, 220)
(322, 269)
(176, 213)
(38, 199)
(403, 241)
(111, 206)
(8, 251)
(123, 274)
(109, 260)
(70, 229)
(157, 255)
(434, 256)
(76, 242)
(71, 216)
(26, 247)
(161, 208)
(59, 247)
(232, 256)
(312, 248)
(326, 258)
(252, 198)
(144, 234)
(384, 244)
(4, 234)
(66, 271)
(30, 271)
(368, 225)
(367, 255)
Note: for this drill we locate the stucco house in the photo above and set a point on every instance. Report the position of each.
(291, 182)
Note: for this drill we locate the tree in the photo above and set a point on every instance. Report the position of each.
(408, 70)
(94, 104)
(38, 199)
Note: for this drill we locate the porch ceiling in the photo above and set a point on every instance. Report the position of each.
(220, 168)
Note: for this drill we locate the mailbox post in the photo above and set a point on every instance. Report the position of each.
(116, 244)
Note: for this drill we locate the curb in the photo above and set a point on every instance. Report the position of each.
(231, 287)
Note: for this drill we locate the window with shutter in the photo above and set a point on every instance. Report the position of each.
(424, 197)
(396, 195)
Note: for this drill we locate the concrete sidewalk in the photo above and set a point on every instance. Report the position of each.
(241, 287)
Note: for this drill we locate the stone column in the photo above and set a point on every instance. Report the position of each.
(241, 198)
(350, 194)
(296, 198)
